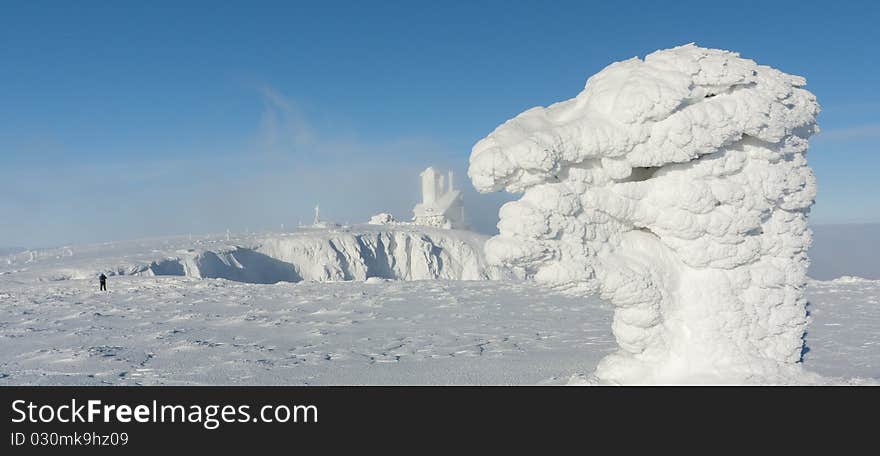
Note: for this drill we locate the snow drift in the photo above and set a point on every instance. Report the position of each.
(677, 187)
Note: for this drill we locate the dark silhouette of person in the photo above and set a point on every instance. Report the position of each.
(103, 280)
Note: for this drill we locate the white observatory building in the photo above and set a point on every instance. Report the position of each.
(442, 205)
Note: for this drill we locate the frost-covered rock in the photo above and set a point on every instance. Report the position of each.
(677, 187)
(400, 253)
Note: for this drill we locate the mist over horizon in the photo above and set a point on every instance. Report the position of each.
(837, 250)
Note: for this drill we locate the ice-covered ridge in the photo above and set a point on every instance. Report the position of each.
(336, 256)
(322, 255)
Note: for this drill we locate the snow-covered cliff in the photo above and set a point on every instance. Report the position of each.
(333, 255)
(401, 254)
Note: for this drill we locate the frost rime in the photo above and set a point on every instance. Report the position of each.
(677, 187)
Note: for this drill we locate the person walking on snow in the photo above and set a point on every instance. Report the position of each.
(103, 280)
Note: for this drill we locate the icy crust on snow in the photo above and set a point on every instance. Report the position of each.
(677, 187)
(319, 255)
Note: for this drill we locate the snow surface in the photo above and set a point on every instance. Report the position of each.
(182, 330)
(187, 330)
(677, 187)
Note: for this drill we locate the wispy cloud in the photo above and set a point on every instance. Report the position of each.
(284, 129)
(286, 132)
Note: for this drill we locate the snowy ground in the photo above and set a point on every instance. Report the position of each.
(843, 339)
(172, 330)
(57, 328)
(178, 330)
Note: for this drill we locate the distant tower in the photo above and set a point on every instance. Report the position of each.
(317, 215)
(429, 186)
(442, 205)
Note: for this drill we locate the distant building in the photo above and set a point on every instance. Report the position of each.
(442, 205)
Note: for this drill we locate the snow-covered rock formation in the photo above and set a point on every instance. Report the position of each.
(399, 253)
(403, 254)
(677, 187)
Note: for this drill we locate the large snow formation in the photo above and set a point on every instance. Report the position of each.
(677, 187)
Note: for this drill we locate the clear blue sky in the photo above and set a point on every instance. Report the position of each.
(131, 119)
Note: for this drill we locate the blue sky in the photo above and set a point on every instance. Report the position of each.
(124, 119)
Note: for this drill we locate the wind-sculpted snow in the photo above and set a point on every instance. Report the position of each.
(399, 254)
(329, 256)
(677, 187)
